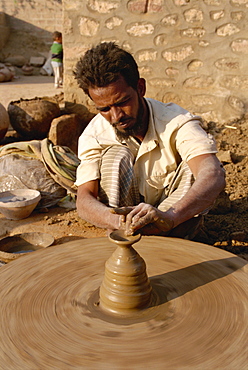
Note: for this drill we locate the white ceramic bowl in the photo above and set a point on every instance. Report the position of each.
(19, 203)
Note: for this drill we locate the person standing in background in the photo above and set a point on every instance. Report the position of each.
(57, 59)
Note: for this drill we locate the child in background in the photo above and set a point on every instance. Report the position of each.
(57, 59)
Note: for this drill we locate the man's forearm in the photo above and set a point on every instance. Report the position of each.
(93, 211)
(200, 197)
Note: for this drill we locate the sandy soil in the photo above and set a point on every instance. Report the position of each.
(226, 226)
(27, 87)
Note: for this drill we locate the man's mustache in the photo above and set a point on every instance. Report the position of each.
(122, 120)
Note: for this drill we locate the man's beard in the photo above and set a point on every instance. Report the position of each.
(136, 129)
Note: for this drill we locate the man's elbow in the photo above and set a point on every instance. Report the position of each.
(80, 204)
(79, 208)
(221, 179)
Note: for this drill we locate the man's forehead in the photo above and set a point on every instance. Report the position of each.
(110, 95)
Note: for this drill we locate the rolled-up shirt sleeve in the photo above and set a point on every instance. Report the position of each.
(90, 156)
(192, 140)
(96, 137)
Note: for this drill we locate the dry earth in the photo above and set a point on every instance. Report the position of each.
(226, 226)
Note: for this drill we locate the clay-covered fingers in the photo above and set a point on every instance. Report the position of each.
(134, 218)
(164, 224)
(140, 216)
(121, 210)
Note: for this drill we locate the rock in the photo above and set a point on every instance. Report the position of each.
(32, 118)
(238, 235)
(4, 121)
(237, 158)
(2, 76)
(224, 156)
(16, 60)
(6, 74)
(222, 204)
(65, 131)
(81, 110)
(37, 61)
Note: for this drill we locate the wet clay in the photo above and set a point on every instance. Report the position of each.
(125, 286)
(197, 318)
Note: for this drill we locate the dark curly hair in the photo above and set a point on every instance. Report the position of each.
(103, 64)
(57, 35)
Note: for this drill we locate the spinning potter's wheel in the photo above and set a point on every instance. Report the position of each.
(194, 316)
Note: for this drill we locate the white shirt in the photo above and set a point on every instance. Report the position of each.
(173, 135)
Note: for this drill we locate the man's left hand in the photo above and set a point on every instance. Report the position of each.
(140, 216)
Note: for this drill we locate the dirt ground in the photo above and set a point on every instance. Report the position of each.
(226, 226)
(27, 87)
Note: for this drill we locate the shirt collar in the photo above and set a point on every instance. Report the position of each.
(151, 134)
(151, 140)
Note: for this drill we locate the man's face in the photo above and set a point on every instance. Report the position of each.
(121, 105)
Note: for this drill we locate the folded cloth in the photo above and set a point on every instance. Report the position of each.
(60, 161)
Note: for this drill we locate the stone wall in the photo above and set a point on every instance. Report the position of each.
(38, 17)
(191, 52)
(4, 30)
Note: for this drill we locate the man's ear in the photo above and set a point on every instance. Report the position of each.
(141, 86)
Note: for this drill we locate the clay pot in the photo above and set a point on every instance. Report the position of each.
(32, 118)
(2, 76)
(27, 70)
(6, 74)
(4, 121)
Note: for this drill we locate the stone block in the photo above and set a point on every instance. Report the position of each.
(213, 2)
(65, 131)
(113, 22)
(239, 3)
(194, 65)
(215, 15)
(199, 82)
(16, 60)
(143, 6)
(236, 104)
(146, 55)
(240, 46)
(161, 39)
(227, 30)
(170, 20)
(193, 32)
(102, 7)
(37, 61)
(178, 53)
(193, 15)
(162, 82)
(237, 16)
(88, 26)
(140, 29)
(227, 64)
(234, 82)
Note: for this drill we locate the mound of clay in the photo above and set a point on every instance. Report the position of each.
(4, 121)
(6, 72)
(32, 118)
